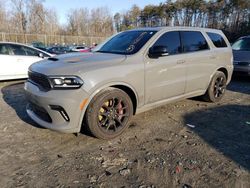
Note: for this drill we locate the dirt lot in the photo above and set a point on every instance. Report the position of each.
(158, 150)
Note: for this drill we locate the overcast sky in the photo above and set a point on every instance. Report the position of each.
(63, 6)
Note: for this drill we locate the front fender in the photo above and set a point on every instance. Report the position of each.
(96, 90)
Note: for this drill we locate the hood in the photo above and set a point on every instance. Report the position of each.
(76, 63)
(243, 56)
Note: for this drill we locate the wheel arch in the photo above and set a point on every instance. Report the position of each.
(221, 69)
(224, 70)
(130, 93)
(127, 88)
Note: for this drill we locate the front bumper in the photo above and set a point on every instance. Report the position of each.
(44, 108)
(242, 70)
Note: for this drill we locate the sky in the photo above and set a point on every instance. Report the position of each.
(63, 6)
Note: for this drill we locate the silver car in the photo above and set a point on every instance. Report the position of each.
(131, 72)
(241, 53)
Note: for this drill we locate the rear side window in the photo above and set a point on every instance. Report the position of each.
(217, 39)
(4, 50)
(30, 52)
(171, 40)
(193, 41)
(17, 50)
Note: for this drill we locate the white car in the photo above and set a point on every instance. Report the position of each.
(15, 59)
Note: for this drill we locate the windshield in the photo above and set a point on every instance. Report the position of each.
(242, 44)
(128, 42)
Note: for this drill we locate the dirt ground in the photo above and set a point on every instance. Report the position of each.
(158, 150)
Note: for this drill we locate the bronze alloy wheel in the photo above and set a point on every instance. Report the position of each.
(113, 114)
(108, 113)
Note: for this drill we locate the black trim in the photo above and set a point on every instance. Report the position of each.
(61, 111)
(40, 112)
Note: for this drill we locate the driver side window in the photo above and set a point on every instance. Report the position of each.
(16, 50)
(30, 52)
(171, 40)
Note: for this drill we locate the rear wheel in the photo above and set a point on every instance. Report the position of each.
(216, 88)
(108, 114)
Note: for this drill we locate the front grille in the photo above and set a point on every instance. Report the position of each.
(40, 112)
(40, 80)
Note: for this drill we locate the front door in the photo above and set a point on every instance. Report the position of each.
(165, 77)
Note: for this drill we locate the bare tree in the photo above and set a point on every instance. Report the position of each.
(78, 22)
(52, 23)
(18, 20)
(101, 21)
(36, 17)
(3, 17)
(31, 16)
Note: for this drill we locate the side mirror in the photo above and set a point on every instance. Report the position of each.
(158, 51)
(41, 55)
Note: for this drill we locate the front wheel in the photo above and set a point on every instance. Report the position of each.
(217, 87)
(108, 114)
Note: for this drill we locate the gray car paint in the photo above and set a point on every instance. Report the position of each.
(241, 56)
(154, 81)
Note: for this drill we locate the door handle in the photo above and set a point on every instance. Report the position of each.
(181, 61)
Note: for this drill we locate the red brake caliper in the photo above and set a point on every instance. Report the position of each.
(120, 110)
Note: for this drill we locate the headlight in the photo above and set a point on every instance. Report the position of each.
(67, 82)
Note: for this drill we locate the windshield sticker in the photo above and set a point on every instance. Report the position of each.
(139, 38)
(130, 48)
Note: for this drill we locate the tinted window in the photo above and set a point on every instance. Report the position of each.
(45, 55)
(128, 42)
(171, 40)
(218, 40)
(4, 50)
(80, 47)
(242, 44)
(193, 41)
(17, 50)
(53, 49)
(30, 51)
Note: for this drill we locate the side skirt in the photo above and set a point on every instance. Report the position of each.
(170, 100)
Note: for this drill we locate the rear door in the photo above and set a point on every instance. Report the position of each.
(199, 60)
(165, 77)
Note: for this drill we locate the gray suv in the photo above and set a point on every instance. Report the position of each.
(131, 72)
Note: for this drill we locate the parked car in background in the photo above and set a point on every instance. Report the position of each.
(241, 53)
(39, 45)
(80, 49)
(57, 50)
(134, 71)
(16, 58)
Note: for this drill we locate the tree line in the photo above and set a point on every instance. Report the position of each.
(31, 16)
(231, 16)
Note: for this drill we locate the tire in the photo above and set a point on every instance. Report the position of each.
(108, 114)
(217, 87)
